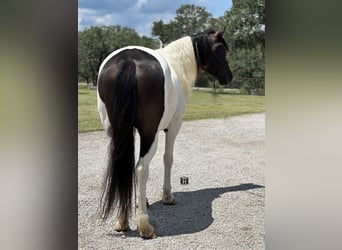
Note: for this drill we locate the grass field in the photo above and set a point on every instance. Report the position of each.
(201, 105)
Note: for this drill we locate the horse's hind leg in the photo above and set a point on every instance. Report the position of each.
(171, 134)
(144, 226)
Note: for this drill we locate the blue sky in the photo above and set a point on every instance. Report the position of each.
(139, 14)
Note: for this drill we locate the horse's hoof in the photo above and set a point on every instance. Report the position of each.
(119, 227)
(147, 233)
(145, 229)
(152, 236)
(169, 200)
(173, 202)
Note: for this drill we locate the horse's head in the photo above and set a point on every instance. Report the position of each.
(210, 50)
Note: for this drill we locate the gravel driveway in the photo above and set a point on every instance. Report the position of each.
(222, 207)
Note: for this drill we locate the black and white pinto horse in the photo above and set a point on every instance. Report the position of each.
(146, 90)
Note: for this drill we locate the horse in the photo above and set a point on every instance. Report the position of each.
(145, 90)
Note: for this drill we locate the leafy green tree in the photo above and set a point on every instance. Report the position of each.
(189, 20)
(246, 38)
(192, 19)
(149, 42)
(84, 71)
(96, 43)
(166, 32)
(246, 23)
(93, 47)
(248, 66)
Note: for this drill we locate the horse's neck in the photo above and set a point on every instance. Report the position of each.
(181, 58)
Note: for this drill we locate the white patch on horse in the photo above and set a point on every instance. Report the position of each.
(101, 107)
(181, 58)
(142, 171)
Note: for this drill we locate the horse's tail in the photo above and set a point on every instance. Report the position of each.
(119, 178)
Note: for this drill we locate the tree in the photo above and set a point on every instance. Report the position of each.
(166, 32)
(246, 38)
(84, 71)
(246, 23)
(192, 19)
(96, 43)
(189, 20)
(93, 47)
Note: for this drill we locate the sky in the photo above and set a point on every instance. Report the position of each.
(139, 14)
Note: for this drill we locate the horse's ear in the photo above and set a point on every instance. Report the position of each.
(220, 32)
(210, 30)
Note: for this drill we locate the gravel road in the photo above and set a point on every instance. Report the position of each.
(222, 207)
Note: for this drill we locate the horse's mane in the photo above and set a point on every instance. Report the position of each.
(202, 45)
(181, 58)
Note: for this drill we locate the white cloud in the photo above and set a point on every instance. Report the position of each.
(140, 3)
(83, 14)
(104, 20)
(137, 14)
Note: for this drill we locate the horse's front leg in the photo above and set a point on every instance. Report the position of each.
(171, 134)
(144, 227)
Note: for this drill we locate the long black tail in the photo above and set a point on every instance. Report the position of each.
(119, 178)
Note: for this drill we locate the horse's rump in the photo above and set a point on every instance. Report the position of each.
(150, 87)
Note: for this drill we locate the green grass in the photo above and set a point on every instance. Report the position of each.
(201, 105)
(205, 105)
(88, 117)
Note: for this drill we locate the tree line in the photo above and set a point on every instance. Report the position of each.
(245, 35)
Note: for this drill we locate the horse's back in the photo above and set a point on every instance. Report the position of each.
(156, 90)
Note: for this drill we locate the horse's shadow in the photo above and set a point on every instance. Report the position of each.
(192, 213)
